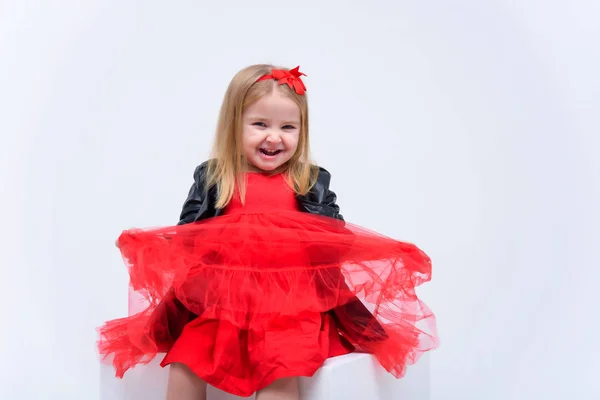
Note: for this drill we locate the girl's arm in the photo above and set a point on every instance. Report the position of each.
(196, 199)
(320, 199)
(330, 198)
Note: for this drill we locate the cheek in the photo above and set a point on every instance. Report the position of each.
(291, 142)
(251, 137)
(247, 145)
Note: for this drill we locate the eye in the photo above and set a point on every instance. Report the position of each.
(261, 124)
(287, 127)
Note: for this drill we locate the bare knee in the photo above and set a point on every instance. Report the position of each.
(281, 389)
(184, 384)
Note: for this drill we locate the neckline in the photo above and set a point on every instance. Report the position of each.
(266, 175)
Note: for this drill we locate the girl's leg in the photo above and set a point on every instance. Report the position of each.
(281, 389)
(183, 384)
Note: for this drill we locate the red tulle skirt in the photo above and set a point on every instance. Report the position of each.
(246, 298)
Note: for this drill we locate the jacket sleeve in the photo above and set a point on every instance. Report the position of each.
(326, 198)
(331, 203)
(196, 198)
(354, 319)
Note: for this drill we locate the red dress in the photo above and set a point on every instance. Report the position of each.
(266, 291)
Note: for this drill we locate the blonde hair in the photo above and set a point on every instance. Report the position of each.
(227, 164)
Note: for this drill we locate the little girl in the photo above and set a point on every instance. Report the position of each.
(259, 282)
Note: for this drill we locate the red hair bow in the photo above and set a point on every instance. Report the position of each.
(291, 78)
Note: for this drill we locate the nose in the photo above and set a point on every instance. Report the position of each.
(273, 137)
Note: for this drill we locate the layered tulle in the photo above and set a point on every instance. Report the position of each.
(255, 270)
(265, 292)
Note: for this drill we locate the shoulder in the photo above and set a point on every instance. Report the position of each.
(320, 190)
(323, 177)
(323, 171)
(201, 170)
(321, 199)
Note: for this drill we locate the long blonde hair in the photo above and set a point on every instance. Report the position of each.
(227, 164)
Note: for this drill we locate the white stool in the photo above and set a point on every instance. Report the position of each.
(353, 376)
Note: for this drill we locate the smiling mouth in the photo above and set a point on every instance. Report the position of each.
(270, 153)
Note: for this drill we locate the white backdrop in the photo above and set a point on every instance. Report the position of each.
(469, 127)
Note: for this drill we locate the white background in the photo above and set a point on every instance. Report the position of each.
(468, 127)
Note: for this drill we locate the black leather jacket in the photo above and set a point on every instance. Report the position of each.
(200, 203)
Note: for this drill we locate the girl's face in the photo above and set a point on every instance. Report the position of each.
(271, 129)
